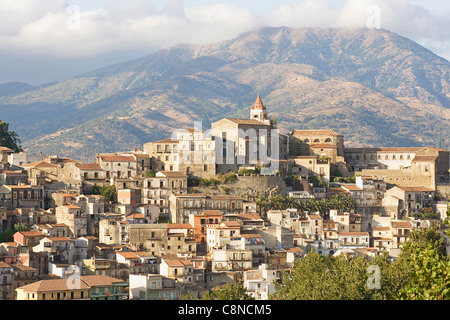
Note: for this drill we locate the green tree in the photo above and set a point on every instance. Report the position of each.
(96, 189)
(8, 138)
(430, 279)
(7, 235)
(421, 239)
(319, 277)
(149, 174)
(262, 204)
(109, 193)
(19, 227)
(228, 292)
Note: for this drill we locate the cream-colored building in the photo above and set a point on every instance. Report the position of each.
(411, 199)
(114, 231)
(408, 167)
(190, 151)
(74, 218)
(221, 235)
(231, 259)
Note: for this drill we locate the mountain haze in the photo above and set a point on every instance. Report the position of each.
(375, 87)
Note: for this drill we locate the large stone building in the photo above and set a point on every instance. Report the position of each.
(426, 167)
(321, 143)
(244, 142)
(190, 151)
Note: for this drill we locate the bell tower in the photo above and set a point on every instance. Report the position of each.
(258, 111)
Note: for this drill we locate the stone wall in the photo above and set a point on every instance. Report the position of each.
(248, 187)
(443, 190)
(401, 178)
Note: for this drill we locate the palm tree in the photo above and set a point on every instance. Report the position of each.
(276, 202)
(313, 205)
(349, 203)
(262, 203)
(289, 203)
(302, 206)
(337, 203)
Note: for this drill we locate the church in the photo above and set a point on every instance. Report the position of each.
(248, 142)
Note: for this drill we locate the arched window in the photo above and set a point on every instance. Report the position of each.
(328, 140)
(316, 140)
(306, 140)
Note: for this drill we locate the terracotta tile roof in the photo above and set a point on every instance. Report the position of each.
(169, 140)
(249, 216)
(53, 285)
(211, 213)
(381, 228)
(117, 158)
(190, 195)
(248, 122)
(66, 194)
(315, 217)
(179, 226)
(72, 206)
(231, 224)
(17, 186)
(401, 224)
(31, 233)
(337, 190)
(59, 238)
(416, 189)
(22, 267)
(4, 265)
(384, 149)
(315, 133)
(258, 104)
(141, 155)
(425, 158)
(40, 164)
(89, 166)
(10, 244)
(353, 233)
(136, 215)
(352, 188)
(128, 255)
(6, 149)
(225, 198)
(100, 280)
(247, 234)
(178, 262)
(294, 249)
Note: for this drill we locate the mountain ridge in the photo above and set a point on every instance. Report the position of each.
(373, 86)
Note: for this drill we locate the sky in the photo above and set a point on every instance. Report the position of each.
(52, 40)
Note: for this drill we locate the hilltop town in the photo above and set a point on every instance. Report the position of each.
(236, 203)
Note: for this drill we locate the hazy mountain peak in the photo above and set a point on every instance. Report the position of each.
(373, 86)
